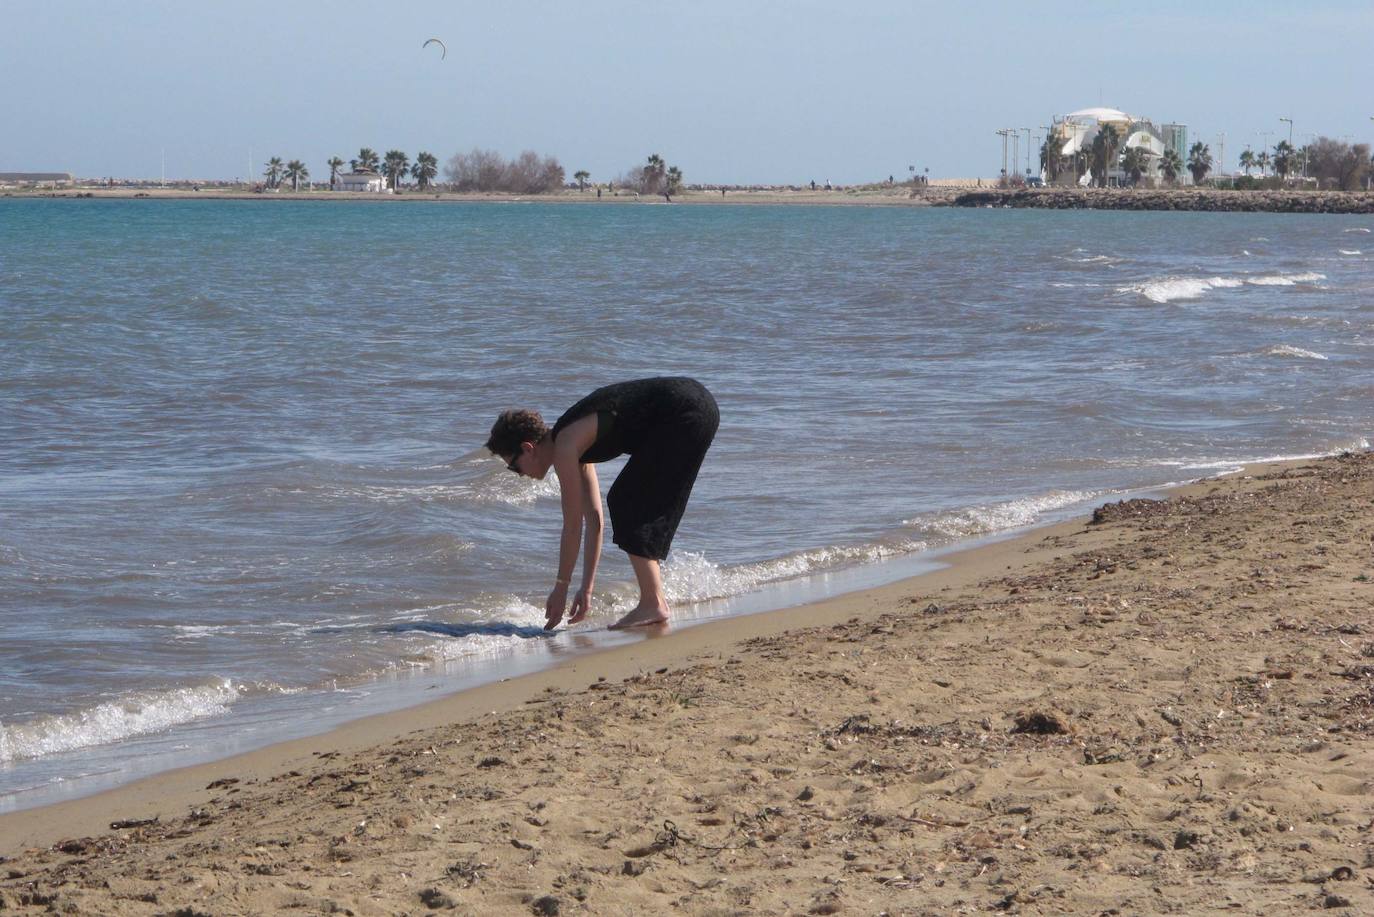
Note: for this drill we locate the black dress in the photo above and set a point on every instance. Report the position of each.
(665, 425)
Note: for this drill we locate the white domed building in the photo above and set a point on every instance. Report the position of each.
(1074, 133)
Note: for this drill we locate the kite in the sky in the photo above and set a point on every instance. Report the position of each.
(443, 49)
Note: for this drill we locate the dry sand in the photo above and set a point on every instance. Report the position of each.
(1168, 710)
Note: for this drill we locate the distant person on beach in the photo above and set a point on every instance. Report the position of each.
(665, 425)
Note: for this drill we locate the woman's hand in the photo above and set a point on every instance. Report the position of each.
(553, 608)
(582, 603)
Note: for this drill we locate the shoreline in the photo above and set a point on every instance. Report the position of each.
(962, 195)
(957, 564)
(908, 789)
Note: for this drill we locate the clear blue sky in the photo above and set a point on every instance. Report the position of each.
(729, 90)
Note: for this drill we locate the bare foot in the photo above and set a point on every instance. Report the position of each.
(642, 617)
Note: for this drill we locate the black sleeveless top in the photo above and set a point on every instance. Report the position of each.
(628, 411)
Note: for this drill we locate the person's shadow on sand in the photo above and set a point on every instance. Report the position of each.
(490, 629)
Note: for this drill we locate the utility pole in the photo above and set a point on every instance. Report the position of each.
(1028, 148)
(1221, 150)
(1003, 134)
(1015, 149)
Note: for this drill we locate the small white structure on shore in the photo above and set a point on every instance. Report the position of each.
(361, 181)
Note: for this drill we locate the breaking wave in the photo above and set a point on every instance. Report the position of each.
(137, 714)
(1286, 350)
(1169, 289)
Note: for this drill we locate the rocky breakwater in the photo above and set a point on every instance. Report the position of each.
(1203, 199)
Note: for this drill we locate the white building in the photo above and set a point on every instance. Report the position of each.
(361, 181)
(1076, 131)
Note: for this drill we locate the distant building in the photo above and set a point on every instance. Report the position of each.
(37, 178)
(1075, 132)
(1176, 139)
(361, 181)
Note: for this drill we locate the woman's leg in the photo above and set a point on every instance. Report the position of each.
(653, 606)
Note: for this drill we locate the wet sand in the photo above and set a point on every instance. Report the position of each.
(1167, 709)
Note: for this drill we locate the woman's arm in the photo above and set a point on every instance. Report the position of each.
(591, 513)
(574, 439)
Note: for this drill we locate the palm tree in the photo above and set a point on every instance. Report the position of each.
(367, 161)
(425, 168)
(1247, 162)
(581, 176)
(674, 181)
(296, 170)
(1170, 165)
(1263, 160)
(653, 173)
(1104, 152)
(1199, 161)
(273, 173)
(394, 166)
(335, 163)
(1134, 162)
(1051, 159)
(1285, 158)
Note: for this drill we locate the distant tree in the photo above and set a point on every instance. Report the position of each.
(1170, 165)
(673, 182)
(581, 176)
(485, 170)
(650, 178)
(1337, 164)
(1051, 159)
(1199, 161)
(1134, 162)
(296, 171)
(394, 166)
(1262, 160)
(480, 170)
(1104, 153)
(1247, 161)
(1285, 158)
(335, 164)
(425, 168)
(273, 173)
(367, 161)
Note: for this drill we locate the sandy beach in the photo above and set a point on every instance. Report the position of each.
(1167, 708)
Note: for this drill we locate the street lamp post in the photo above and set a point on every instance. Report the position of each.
(1028, 148)
(1003, 134)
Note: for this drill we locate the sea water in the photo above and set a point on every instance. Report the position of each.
(243, 494)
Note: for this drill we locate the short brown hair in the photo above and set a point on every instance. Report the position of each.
(514, 427)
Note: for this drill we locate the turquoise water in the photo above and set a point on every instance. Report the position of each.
(241, 468)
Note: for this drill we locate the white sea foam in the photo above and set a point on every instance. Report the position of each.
(1172, 288)
(689, 577)
(998, 517)
(1350, 251)
(1286, 350)
(1285, 280)
(136, 714)
(1230, 465)
(1356, 229)
(1168, 289)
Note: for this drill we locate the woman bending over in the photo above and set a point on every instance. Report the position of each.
(665, 425)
